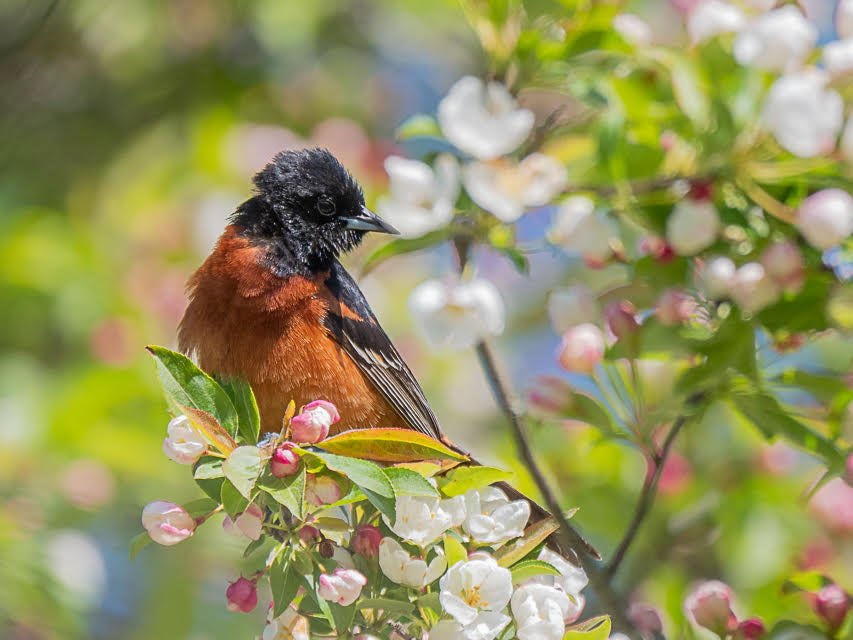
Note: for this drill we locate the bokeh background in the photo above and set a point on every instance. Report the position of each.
(128, 132)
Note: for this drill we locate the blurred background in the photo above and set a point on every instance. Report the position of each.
(128, 132)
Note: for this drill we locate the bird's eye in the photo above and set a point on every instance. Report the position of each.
(326, 207)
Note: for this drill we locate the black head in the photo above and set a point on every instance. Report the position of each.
(308, 208)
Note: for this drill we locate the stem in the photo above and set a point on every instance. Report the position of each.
(647, 497)
(635, 187)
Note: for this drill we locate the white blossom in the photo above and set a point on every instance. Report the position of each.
(483, 119)
(400, 567)
(343, 586)
(540, 612)
(288, 626)
(692, 226)
(491, 518)
(571, 306)
(486, 626)
(572, 579)
(167, 523)
(421, 198)
(582, 348)
(753, 289)
(422, 520)
(183, 443)
(838, 57)
(457, 314)
(711, 18)
(506, 189)
(717, 277)
(578, 228)
(780, 40)
(473, 586)
(825, 218)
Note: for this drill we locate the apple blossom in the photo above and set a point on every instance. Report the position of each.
(633, 29)
(716, 277)
(709, 606)
(491, 518)
(832, 604)
(621, 319)
(342, 586)
(692, 226)
(803, 114)
(675, 307)
(320, 490)
(483, 119)
(242, 595)
(571, 306)
(825, 218)
(366, 540)
(183, 443)
(750, 629)
(582, 348)
(457, 314)
(710, 18)
(780, 40)
(753, 288)
(844, 19)
(539, 612)
(308, 534)
(579, 229)
(472, 586)
(288, 626)
(401, 568)
(645, 619)
(312, 423)
(250, 523)
(284, 461)
(783, 262)
(421, 198)
(572, 578)
(838, 57)
(341, 556)
(488, 625)
(421, 520)
(167, 523)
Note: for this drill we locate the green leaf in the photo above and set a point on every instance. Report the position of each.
(387, 605)
(409, 483)
(389, 445)
(232, 501)
(466, 477)
(138, 543)
(249, 419)
(593, 629)
(533, 536)
(343, 616)
(284, 583)
(419, 124)
(288, 491)
(367, 476)
(242, 468)
(209, 470)
(212, 486)
(788, 630)
(185, 385)
(454, 550)
(527, 569)
(805, 581)
(402, 246)
(200, 507)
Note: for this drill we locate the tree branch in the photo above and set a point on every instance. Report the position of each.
(647, 497)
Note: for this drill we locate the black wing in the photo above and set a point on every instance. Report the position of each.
(356, 330)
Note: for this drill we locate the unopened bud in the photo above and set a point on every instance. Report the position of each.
(326, 548)
(242, 595)
(284, 461)
(848, 470)
(783, 262)
(753, 289)
(692, 226)
(167, 523)
(582, 348)
(366, 541)
(645, 619)
(832, 604)
(313, 422)
(716, 277)
(309, 535)
(621, 320)
(826, 218)
(674, 307)
(750, 629)
(710, 606)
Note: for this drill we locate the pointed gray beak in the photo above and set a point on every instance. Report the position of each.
(366, 220)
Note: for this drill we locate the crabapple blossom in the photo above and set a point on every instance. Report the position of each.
(675, 307)
(167, 523)
(572, 579)
(491, 518)
(633, 29)
(342, 557)
(401, 568)
(312, 423)
(645, 619)
(539, 612)
(621, 319)
(421, 520)
(250, 523)
(825, 218)
(711, 18)
(342, 586)
(783, 262)
(308, 534)
(832, 604)
(844, 19)
(320, 490)
(476, 585)
(366, 540)
(582, 348)
(488, 625)
(242, 595)
(780, 40)
(457, 314)
(716, 277)
(803, 114)
(288, 626)
(692, 226)
(579, 229)
(838, 57)
(421, 198)
(183, 443)
(753, 288)
(571, 306)
(709, 606)
(507, 190)
(750, 629)
(284, 461)
(483, 119)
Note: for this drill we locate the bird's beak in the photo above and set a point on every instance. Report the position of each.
(366, 220)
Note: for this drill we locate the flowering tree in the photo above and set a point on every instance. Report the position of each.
(703, 184)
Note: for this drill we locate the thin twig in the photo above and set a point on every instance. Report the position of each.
(635, 187)
(647, 497)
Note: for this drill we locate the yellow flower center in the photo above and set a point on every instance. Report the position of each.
(473, 598)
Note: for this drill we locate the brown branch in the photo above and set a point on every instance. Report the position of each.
(647, 497)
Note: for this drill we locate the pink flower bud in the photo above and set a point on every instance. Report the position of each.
(309, 535)
(783, 262)
(657, 248)
(250, 523)
(646, 619)
(621, 320)
(342, 586)
(242, 595)
(848, 470)
(167, 523)
(750, 629)
(826, 218)
(710, 606)
(313, 422)
(692, 226)
(284, 461)
(183, 443)
(701, 190)
(832, 604)
(582, 348)
(753, 289)
(366, 541)
(550, 394)
(320, 490)
(674, 307)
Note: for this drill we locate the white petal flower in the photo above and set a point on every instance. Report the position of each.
(288, 626)
(486, 626)
(838, 57)
(712, 18)
(492, 518)
(578, 228)
(422, 520)
(717, 277)
(825, 218)
(572, 579)
(803, 114)
(167, 523)
(457, 314)
(183, 443)
(470, 587)
(753, 289)
(342, 586)
(540, 612)
(507, 190)
(572, 306)
(780, 40)
(844, 19)
(692, 226)
(401, 568)
(483, 119)
(421, 198)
